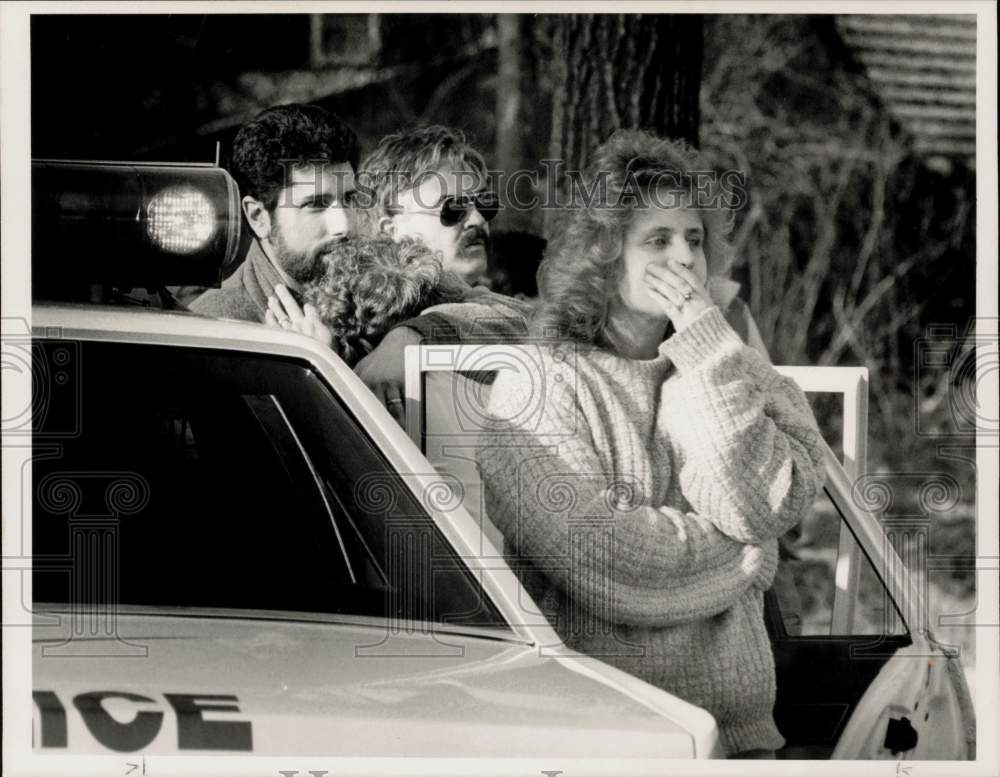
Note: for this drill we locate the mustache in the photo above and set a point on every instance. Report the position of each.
(474, 234)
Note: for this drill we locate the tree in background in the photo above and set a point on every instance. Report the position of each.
(606, 72)
(616, 71)
(849, 245)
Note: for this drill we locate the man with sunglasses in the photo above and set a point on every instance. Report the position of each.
(430, 184)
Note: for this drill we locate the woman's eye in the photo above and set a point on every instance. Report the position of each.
(657, 242)
(695, 242)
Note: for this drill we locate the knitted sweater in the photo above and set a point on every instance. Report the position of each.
(642, 500)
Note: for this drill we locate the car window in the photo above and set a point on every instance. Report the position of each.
(805, 585)
(207, 478)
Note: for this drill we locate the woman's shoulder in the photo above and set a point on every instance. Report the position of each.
(555, 377)
(537, 363)
(562, 357)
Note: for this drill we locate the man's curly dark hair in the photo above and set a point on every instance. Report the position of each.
(371, 284)
(303, 133)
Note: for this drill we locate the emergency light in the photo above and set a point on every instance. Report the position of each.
(131, 225)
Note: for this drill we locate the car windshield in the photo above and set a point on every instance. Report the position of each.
(190, 477)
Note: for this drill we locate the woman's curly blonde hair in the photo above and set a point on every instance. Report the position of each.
(371, 284)
(578, 279)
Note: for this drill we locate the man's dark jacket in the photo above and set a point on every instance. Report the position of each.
(243, 294)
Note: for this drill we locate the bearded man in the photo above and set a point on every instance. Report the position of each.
(295, 167)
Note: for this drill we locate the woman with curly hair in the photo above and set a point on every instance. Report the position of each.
(367, 286)
(642, 466)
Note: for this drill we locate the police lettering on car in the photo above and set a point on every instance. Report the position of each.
(194, 731)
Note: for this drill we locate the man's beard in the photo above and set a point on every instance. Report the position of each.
(300, 266)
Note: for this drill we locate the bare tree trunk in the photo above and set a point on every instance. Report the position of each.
(509, 140)
(508, 91)
(624, 71)
(617, 71)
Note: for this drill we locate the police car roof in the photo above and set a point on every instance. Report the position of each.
(153, 325)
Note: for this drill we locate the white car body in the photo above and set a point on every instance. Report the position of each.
(332, 685)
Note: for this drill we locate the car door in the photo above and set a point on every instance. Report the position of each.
(875, 686)
(824, 669)
(858, 674)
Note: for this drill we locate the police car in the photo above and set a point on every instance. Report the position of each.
(236, 550)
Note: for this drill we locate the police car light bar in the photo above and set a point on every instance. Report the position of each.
(131, 224)
(181, 219)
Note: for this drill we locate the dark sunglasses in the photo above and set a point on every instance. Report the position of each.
(455, 209)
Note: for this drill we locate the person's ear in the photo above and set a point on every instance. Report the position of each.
(257, 216)
(387, 227)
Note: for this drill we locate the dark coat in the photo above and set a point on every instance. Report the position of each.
(243, 294)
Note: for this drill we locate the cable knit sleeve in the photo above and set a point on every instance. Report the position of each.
(751, 450)
(591, 532)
